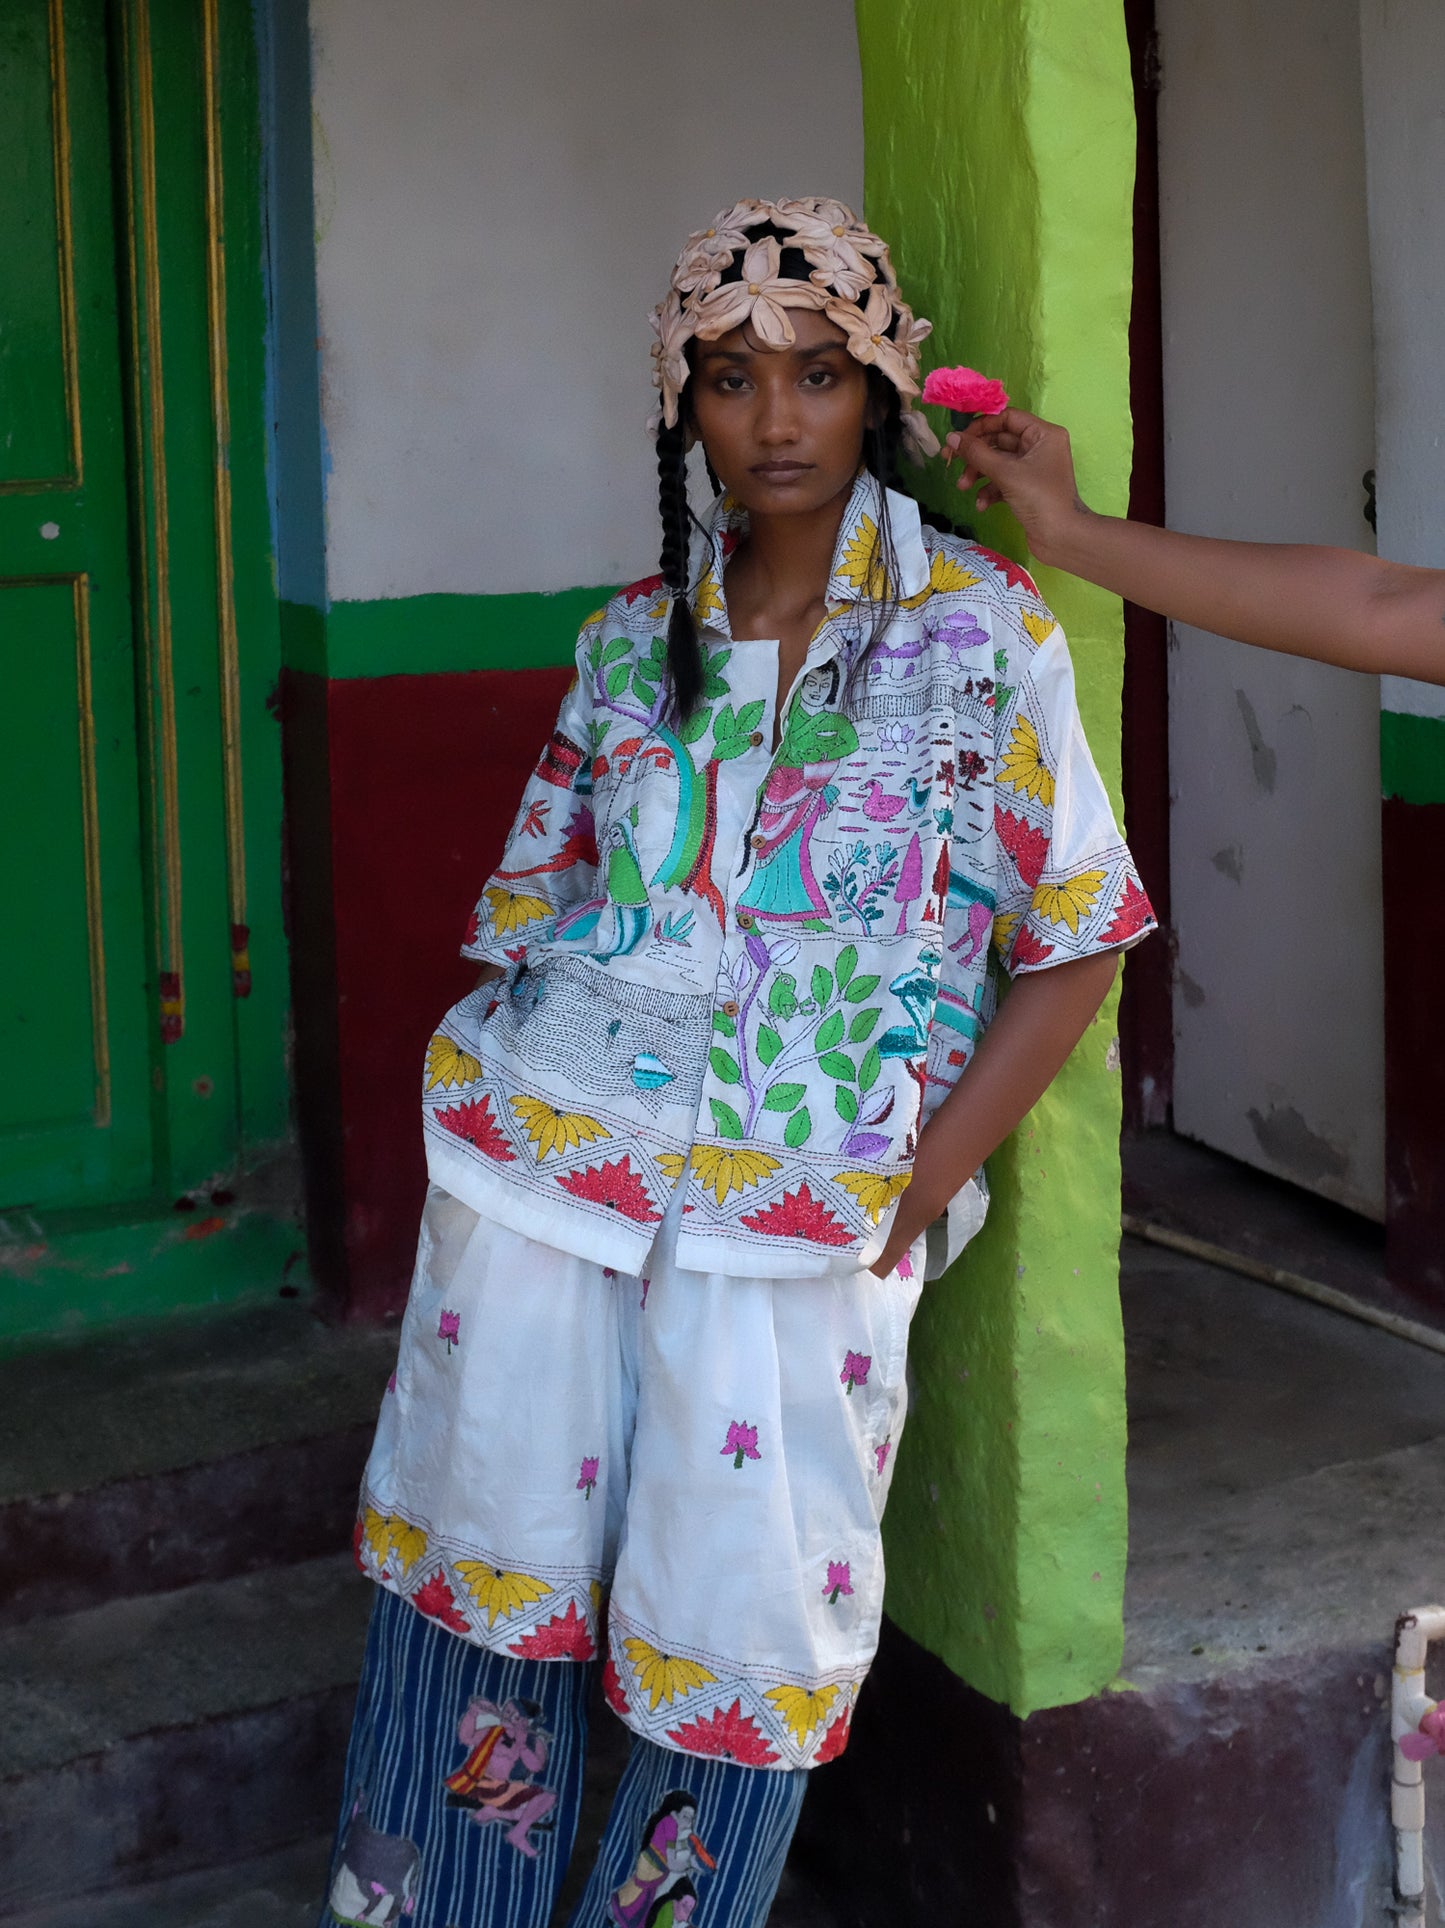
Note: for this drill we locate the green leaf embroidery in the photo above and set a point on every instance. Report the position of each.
(718, 662)
(830, 1032)
(722, 1022)
(836, 1065)
(845, 1104)
(617, 679)
(784, 1097)
(750, 715)
(769, 1044)
(619, 646)
(783, 996)
(713, 687)
(862, 1025)
(724, 1065)
(642, 689)
(725, 723)
(822, 986)
(696, 724)
(847, 963)
(869, 1069)
(798, 1130)
(861, 988)
(728, 1123)
(1000, 662)
(725, 748)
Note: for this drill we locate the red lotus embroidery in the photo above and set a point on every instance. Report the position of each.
(1009, 570)
(437, 1601)
(566, 1636)
(474, 1122)
(1028, 847)
(474, 928)
(835, 1740)
(729, 1734)
(1027, 949)
(646, 586)
(615, 1185)
(612, 1689)
(799, 1215)
(1131, 914)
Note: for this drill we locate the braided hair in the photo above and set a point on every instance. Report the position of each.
(684, 652)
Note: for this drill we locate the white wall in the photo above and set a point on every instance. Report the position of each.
(1403, 49)
(501, 192)
(1269, 420)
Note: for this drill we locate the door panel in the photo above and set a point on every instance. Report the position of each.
(75, 1088)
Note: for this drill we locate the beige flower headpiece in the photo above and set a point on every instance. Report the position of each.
(850, 280)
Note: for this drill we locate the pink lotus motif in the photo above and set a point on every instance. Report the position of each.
(905, 1267)
(855, 1370)
(742, 1443)
(880, 1453)
(587, 1477)
(840, 1580)
(1430, 1739)
(449, 1327)
(965, 391)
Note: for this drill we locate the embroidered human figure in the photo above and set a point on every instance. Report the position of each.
(507, 1745)
(670, 1851)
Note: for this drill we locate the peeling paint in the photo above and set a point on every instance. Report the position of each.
(1263, 758)
(1229, 862)
(1285, 1137)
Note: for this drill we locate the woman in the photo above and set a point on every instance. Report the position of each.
(687, 1137)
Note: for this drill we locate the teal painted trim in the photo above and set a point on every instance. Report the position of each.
(428, 635)
(56, 1284)
(1412, 757)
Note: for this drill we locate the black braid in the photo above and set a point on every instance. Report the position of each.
(684, 656)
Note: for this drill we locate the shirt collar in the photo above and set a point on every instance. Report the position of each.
(851, 578)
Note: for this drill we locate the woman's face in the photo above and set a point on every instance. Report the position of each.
(783, 428)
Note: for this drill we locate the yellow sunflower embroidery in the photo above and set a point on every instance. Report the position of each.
(499, 1594)
(553, 1130)
(873, 1192)
(722, 1172)
(707, 601)
(1023, 767)
(1003, 930)
(663, 1676)
(393, 1538)
(1039, 627)
(513, 910)
(801, 1709)
(947, 573)
(448, 1065)
(672, 1164)
(1069, 902)
(860, 566)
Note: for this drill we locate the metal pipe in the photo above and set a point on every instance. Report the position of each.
(1409, 1706)
(1295, 1282)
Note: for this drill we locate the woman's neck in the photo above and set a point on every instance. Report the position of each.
(782, 568)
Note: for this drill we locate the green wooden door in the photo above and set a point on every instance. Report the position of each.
(142, 968)
(75, 1036)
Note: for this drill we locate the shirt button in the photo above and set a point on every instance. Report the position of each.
(730, 1009)
(758, 840)
(756, 739)
(746, 920)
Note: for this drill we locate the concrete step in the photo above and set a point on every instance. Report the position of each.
(161, 1455)
(175, 1760)
(153, 1736)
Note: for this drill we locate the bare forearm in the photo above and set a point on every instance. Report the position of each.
(1336, 605)
(1041, 1020)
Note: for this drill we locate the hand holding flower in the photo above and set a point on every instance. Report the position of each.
(965, 394)
(1028, 464)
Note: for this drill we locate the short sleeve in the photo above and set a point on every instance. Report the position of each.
(549, 865)
(1068, 887)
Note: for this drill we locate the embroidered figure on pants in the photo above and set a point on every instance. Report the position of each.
(376, 1875)
(671, 1853)
(674, 1907)
(494, 1783)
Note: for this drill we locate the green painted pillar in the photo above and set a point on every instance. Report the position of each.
(999, 163)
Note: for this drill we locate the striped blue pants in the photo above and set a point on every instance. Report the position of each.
(464, 1783)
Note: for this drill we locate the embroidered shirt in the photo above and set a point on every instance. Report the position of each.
(758, 971)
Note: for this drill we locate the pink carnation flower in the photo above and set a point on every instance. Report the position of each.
(965, 391)
(449, 1327)
(741, 1443)
(588, 1477)
(840, 1580)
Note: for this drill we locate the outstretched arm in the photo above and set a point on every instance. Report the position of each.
(1018, 1057)
(1335, 605)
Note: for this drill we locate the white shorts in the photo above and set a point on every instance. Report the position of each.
(716, 1451)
